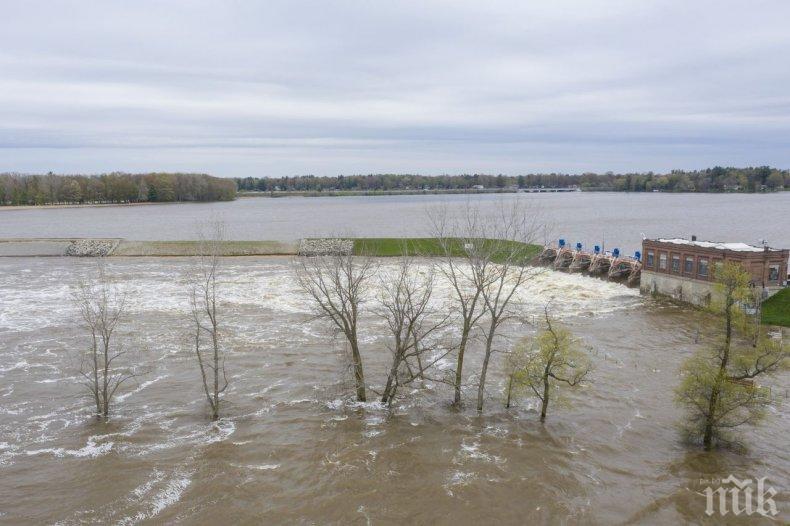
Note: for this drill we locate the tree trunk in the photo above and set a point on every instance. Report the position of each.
(96, 378)
(481, 387)
(459, 367)
(105, 379)
(721, 376)
(544, 406)
(385, 396)
(215, 405)
(359, 376)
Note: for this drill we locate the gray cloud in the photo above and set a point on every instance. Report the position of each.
(274, 88)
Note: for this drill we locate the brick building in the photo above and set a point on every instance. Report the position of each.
(684, 269)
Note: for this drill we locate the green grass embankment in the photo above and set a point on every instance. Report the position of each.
(776, 309)
(428, 247)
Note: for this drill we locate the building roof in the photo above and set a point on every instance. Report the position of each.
(737, 247)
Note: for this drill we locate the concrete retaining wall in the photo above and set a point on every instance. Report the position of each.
(325, 247)
(677, 287)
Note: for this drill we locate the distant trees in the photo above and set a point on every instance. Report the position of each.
(104, 364)
(718, 390)
(550, 360)
(717, 179)
(17, 189)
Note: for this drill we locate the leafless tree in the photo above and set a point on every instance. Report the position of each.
(204, 300)
(486, 260)
(502, 268)
(405, 305)
(457, 266)
(103, 364)
(337, 284)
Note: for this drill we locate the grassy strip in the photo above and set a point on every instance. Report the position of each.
(427, 247)
(190, 248)
(776, 309)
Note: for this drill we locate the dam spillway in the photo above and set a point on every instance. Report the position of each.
(612, 266)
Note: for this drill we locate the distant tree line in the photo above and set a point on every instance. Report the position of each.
(19, 189)
(717, 179)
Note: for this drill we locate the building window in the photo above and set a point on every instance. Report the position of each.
(689, 268)
(773, 273)
(702, 267)
(675, 263)
(662, 261)
(651, 258)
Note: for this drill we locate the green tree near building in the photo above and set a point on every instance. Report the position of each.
(719, 390)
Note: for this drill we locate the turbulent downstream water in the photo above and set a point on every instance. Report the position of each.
(292, 446)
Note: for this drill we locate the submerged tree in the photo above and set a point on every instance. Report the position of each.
(501, 269)
(458, 271)
(337, 284)
(552, 359)
(485, 259)
(103, 364)
(204, 300)
(405, 305)
(718, 389)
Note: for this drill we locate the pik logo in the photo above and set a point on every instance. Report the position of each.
(741, 497)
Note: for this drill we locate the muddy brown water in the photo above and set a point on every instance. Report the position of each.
(294, 448)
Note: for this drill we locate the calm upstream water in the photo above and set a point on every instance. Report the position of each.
(614, 219)
(294, 448)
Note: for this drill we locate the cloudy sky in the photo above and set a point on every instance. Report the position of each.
(280, 88)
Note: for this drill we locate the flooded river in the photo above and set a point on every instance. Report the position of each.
(293, 447)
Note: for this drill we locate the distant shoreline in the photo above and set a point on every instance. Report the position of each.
(378, 193)
(81, 205)
(374, 193)
(99, 205)
(371, 193)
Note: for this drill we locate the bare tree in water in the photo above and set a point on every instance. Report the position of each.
(104, 363)
(337, 284)
(205, 303)
(503, 268)
(412, 322)
(486, 260)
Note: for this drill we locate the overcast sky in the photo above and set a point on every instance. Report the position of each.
(329, 87)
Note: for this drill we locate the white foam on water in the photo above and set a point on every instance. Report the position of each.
(472, 451)
(143, 385)
(201, 435)
(168, 495)
(458, 479)
(258, 467)
(91, 450)
(22, 364)
(161, 286)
